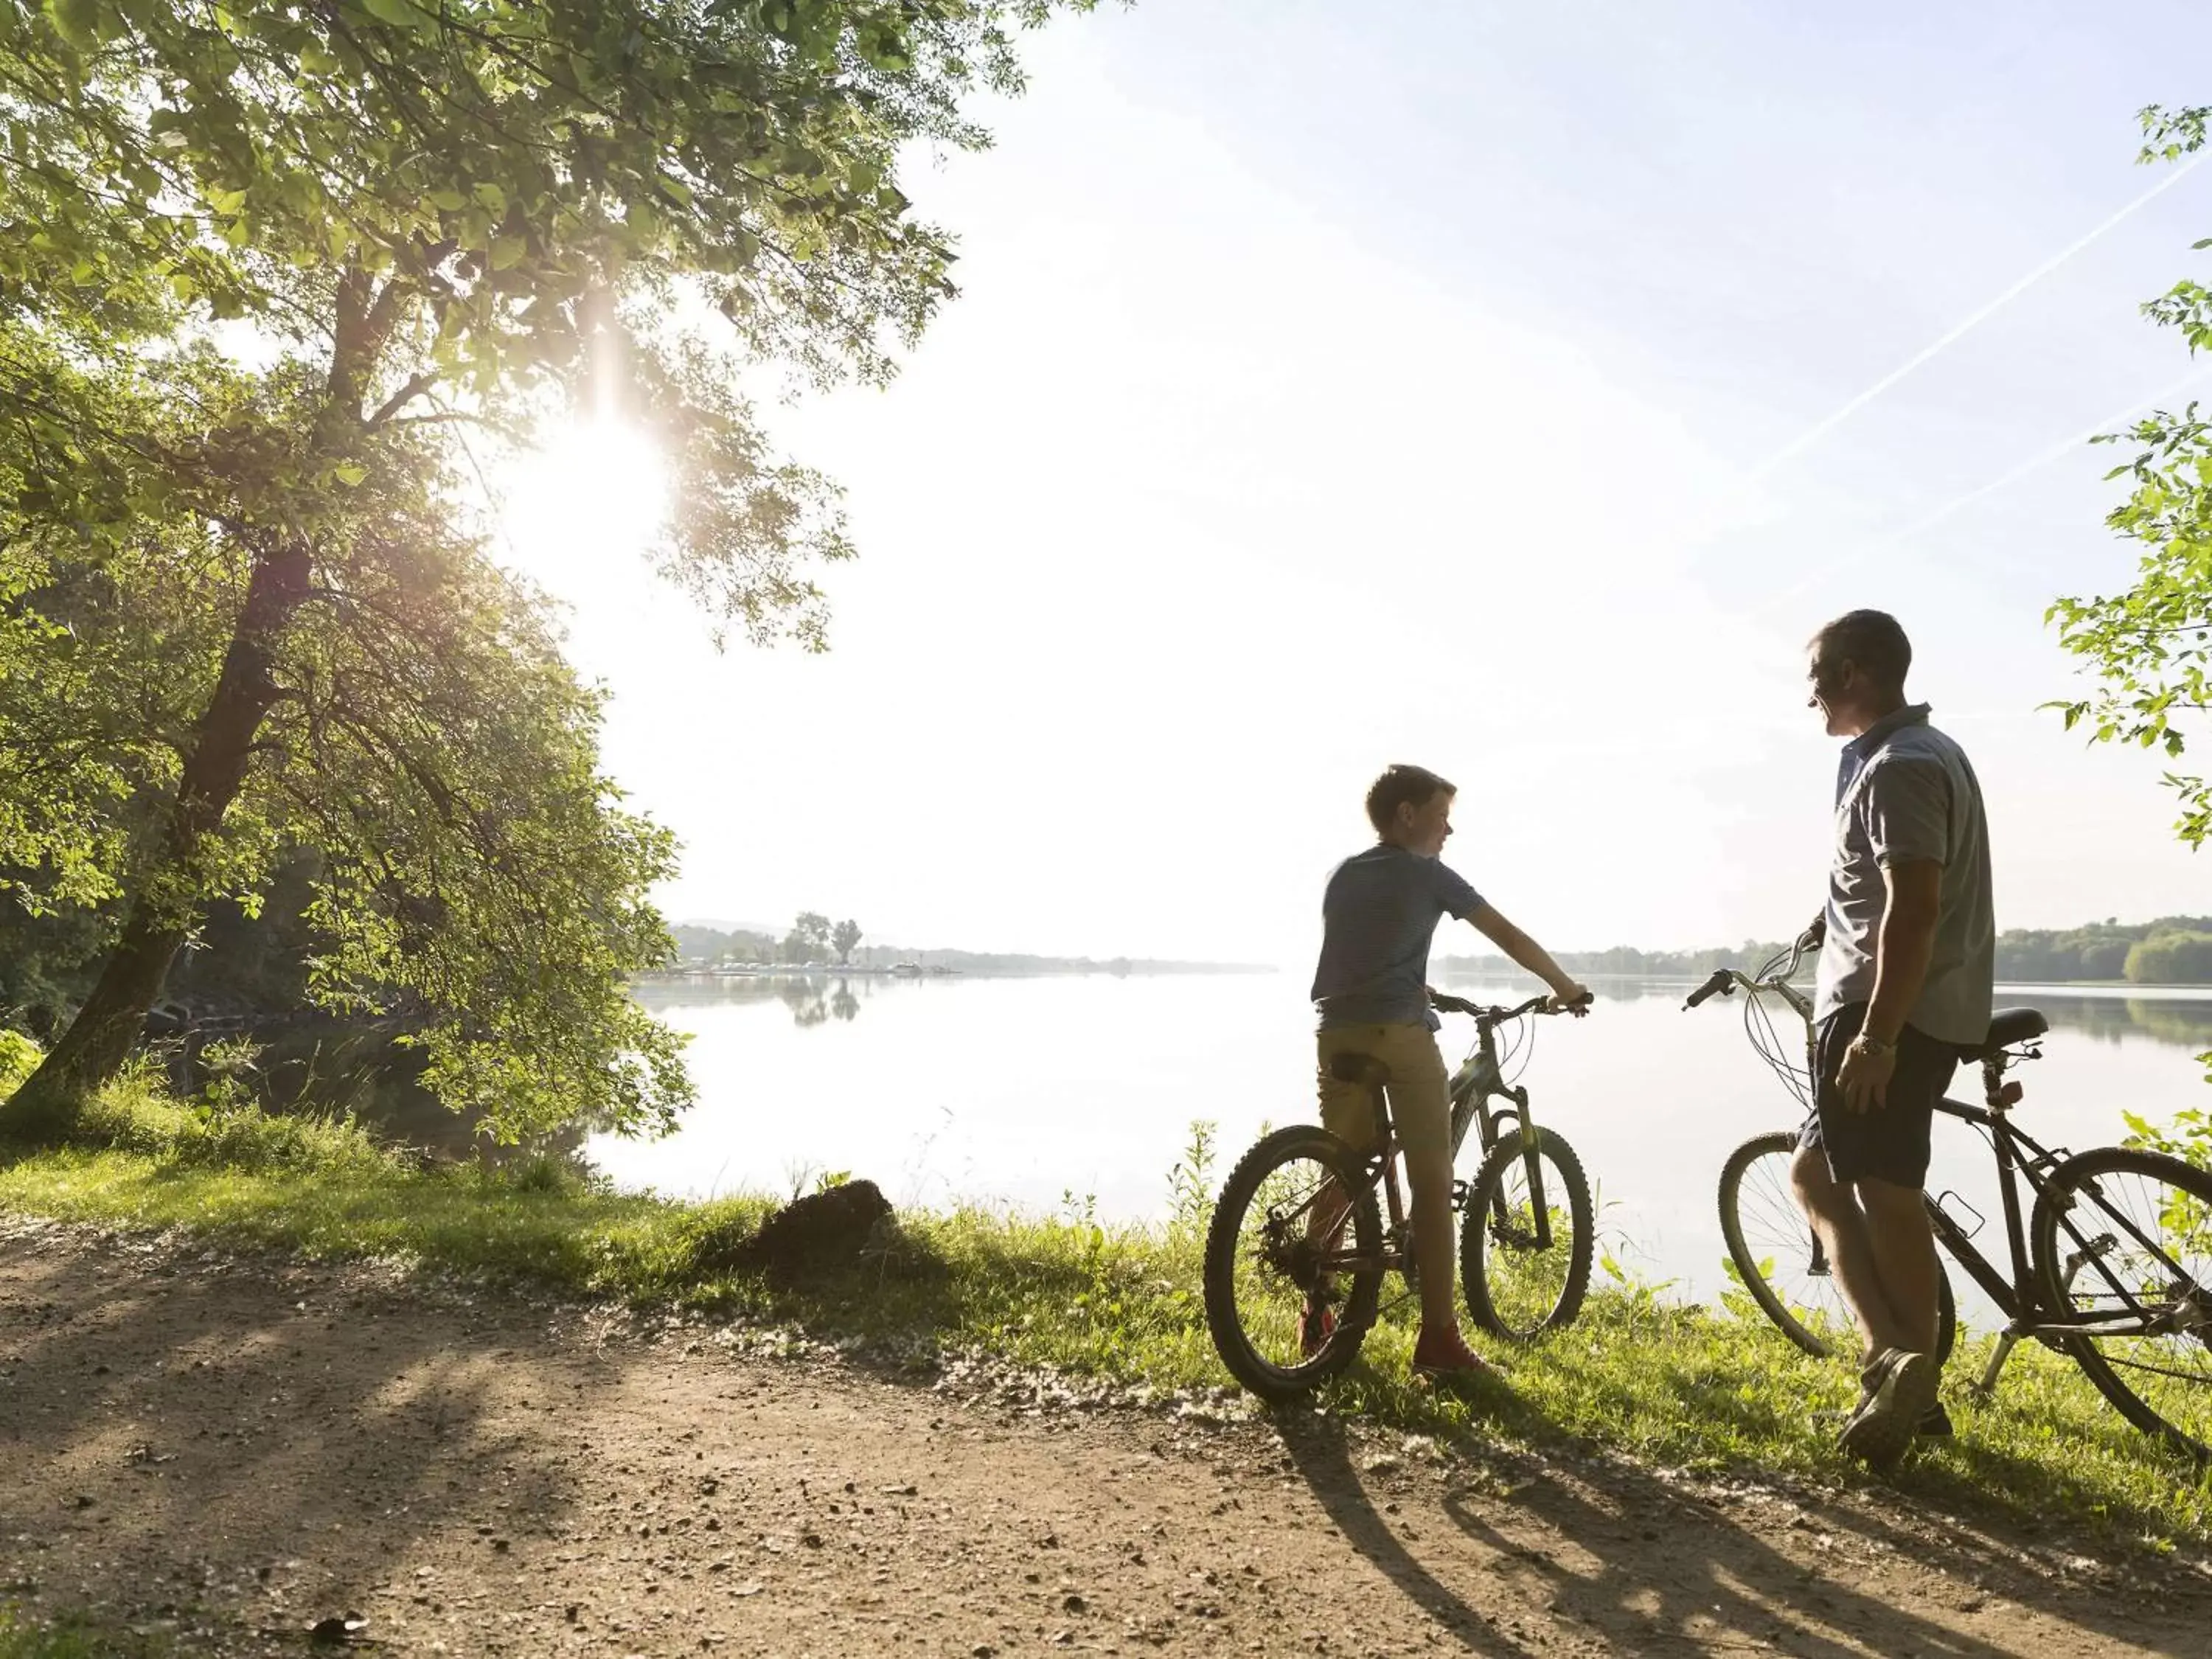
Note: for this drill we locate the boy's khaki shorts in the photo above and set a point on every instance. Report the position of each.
(1418, 1089)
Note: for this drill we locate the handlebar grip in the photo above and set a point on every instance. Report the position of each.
(1717, 985)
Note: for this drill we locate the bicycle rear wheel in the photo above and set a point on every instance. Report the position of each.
(2118, 1233)
(1515, 1286)
(1273, 1242)
(1776, 1259)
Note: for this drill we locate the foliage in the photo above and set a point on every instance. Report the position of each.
(2187, 1137)
(244, 604)
(2151, 644)
(2097, 950)
(2178, 958)
(19, 1058)
(711, 944)
(844, 938)
(1190, 1179)
(808, 940)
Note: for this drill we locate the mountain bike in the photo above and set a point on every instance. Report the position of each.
(1297, 1220)
(2111, 1264)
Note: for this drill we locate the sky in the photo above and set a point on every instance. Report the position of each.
(1454, 383)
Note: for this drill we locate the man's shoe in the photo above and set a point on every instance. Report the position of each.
(1317, 1324)
(1904, 1390)
(1934, 1424)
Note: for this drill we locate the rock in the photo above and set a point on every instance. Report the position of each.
(822, 1231)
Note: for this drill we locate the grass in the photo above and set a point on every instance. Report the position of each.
(71, 1638)
(1677, 1386)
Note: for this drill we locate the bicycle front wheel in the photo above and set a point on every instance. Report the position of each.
(1521, 1277)
(2126, 1237)
(1296, 1223)
(1775, 1257)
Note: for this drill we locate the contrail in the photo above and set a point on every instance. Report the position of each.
(1856, 559)
(1958, 331)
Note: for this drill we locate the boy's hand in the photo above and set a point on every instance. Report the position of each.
(1571, 999)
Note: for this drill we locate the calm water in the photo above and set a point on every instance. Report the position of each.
(1024, 1093)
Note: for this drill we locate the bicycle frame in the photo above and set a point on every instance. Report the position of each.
(2019, 1298)
(1476, 1083)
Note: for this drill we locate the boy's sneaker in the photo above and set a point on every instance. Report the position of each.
(1902, 1392)
(1448, 1358)
(1317, 1324)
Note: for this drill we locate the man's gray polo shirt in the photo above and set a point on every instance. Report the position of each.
(1905, 792)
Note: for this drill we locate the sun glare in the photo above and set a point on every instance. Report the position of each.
(576, 515)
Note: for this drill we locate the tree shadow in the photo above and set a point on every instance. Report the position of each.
(259, 1444)
(1322, 1453)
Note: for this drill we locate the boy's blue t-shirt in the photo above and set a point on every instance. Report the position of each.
(1378, 914)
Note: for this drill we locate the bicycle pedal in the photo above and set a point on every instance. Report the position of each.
(1459, 1195)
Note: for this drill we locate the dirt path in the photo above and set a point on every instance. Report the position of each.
(225, 1451)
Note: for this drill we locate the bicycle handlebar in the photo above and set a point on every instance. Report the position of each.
(1725, 980)
(1450, 1005)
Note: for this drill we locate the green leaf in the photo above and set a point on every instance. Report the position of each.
(491, 195)
(350, 472)
(400, 13)
(507, 251)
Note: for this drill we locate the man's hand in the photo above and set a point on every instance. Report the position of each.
(1863, 1077)
(1571, 999)
(1817, 935)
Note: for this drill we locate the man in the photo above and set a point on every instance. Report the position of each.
(1907, 960)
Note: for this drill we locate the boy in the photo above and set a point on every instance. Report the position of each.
(1371, 993)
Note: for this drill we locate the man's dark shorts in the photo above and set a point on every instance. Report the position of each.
(1887, 1142)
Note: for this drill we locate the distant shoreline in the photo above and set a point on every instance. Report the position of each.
(1077, 970)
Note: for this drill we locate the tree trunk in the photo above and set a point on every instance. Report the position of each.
(171, 891)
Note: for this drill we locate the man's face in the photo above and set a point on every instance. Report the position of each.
(1834, 686)
(1424, 830)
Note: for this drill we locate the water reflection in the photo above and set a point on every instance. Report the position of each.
(814, 999)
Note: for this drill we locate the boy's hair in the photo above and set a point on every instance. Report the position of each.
(1872, 639)
(1406, 786)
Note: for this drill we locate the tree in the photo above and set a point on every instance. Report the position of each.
(2171, 959)
(2151, 645)
(433, 226)
(846, 936)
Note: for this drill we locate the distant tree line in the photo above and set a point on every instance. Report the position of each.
(813, 938)
(2171, 951)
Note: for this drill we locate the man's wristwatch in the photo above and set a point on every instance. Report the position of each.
(1868, 1043)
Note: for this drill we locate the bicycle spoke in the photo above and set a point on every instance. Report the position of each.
(1780, 1240)
(2136, 1239)
(1526, 1269)
(1291, 1247)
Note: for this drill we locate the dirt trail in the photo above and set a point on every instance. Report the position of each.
(226, 1450)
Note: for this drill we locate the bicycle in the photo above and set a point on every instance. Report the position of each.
(1525, 1234)
(2140, 1223)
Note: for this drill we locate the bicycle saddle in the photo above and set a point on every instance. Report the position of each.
(1359, 1068)
(2006, 1027)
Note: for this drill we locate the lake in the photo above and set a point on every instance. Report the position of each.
(1032, 1093)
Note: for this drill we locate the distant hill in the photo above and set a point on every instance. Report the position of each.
(2171, 951)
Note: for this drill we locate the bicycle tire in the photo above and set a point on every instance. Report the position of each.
(1750, 1267)
(2069, 1183)
(1225, 1240)
(1477, 1236)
